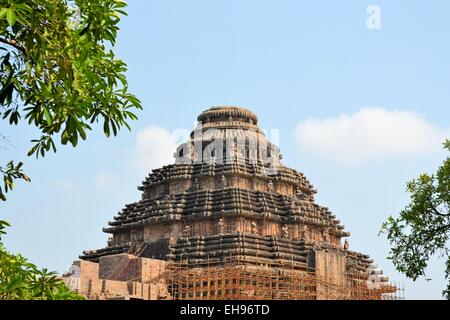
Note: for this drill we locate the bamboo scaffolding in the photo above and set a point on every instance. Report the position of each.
(236, 281)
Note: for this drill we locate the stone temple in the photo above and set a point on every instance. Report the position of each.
(227, 220)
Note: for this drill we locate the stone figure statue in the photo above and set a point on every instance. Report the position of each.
(346, 245)
(326, 235)
(285, 230)
(221, 226)
(304, 231)
(196, 184)
(187, 231)
(223, 181)
(270, 186)
(110, 242)
(254, 227)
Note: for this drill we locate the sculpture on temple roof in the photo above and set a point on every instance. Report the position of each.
(326, 235)
(270, 186)
(110, 242)
(304, 231)
(254, 227)
(223, 181)
(285, 230)
(196, 184)
(187, 231)
(346, 245)
(293, 206)
(221, 225)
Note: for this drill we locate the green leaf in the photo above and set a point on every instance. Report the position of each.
(74, 139)
(65, 137)
(11, 16)
(48, 116)
(3, 12)
(23, 7)
(106, 127)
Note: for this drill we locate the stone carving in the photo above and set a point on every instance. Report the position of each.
(293, 207)
(270, 186)
(196, 184)
(187, 231)
(110, 242)
(221, 226)
(304, 231)
(346, 245)
(254, 227)
(285, 230)
(326, 235)
(223, 181)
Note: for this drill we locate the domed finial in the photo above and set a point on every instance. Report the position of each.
(228, 114)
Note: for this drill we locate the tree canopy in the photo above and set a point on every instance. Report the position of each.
(422, 229)
(59, 74)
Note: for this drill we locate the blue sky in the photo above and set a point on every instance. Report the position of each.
(360, 112)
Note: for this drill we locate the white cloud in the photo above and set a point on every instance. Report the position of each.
(369, 134)
(155, 147)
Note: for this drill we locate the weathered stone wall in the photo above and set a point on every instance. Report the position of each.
(98, 280)
(151, 268)
(88, 271)
(215, 183)
(119, 267)
(330, 273)
(154, 232)
(126, 267)
(232, 224)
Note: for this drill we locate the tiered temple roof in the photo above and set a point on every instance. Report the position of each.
(229, 195)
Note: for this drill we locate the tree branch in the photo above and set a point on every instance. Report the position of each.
(433, 232)
(6, 139)
(435, 210)
(13, 43)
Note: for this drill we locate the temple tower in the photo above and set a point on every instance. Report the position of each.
(228, 204)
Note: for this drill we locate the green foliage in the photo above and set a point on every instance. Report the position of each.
(59, 75)
(58, 72)
(22, 280)
(11, 172)
(423, 227)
